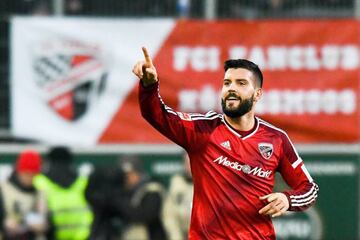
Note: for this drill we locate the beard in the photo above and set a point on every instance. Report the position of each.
(244, 107)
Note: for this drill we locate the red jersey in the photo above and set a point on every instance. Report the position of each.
(230, 172)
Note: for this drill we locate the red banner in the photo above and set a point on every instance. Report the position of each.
(311, 76)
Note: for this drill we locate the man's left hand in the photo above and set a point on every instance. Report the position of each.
(277, 205)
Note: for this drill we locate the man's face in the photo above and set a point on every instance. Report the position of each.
(239, 92)
(26, 178)
(132, 179)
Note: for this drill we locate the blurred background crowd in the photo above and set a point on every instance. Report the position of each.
(47, 198)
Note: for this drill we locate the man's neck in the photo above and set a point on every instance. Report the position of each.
(243, 123)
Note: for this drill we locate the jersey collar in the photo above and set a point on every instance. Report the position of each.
(236, 133)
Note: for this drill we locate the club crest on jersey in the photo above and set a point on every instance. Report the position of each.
(266, 150)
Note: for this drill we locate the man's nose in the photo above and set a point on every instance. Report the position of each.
(231, 87)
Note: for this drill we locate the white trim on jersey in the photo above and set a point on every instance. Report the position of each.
(166, 107)
(302, 204)
(208, 116)
(230, 128)
(205, 118)
(307, 173)
(270, 125)
(305, 199)
(313, 195)
(296, 163)
(257, 127)
(305, 194)
(280, 130)
(236, 133)
(169, 110)
(193, 116)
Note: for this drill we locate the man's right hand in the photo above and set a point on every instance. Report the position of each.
(145, 70)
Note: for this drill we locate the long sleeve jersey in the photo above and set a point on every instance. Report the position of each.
(230, 171)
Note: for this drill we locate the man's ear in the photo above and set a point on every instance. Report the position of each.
(258, 94)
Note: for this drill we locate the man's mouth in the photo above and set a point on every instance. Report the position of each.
(232, 98)
(232, 101)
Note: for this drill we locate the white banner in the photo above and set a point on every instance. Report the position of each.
(70, 76)
(72, 81)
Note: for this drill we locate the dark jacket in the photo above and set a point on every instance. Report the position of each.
(142, 205)
(105, 186)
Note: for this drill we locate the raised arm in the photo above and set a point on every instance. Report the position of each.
(182, 128)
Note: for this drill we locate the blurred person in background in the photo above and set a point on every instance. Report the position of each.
(141, 204)
(22, 207)
(234, 156)
(183, 8)
(27, 7)
(74, 7)
(178, 204)
(103, 191)
(69, 214)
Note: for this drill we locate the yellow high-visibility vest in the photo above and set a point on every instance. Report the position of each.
(71, 215)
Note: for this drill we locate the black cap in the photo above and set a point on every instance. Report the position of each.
(60, 154)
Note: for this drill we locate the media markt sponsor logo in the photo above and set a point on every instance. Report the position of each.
(70, 74)
(255, 171)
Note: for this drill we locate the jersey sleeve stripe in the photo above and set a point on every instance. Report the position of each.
(312, 189)
(206, 115)
(169, 110)
(314, 194)
(302, 204)
(193, 116)
(296, 163)
(305, 201)
(205, 118)
(307, 173)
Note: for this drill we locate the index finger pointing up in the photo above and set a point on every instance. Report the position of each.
(147, 56)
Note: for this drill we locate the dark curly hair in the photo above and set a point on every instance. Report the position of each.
(243, 63)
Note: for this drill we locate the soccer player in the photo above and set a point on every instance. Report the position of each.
(233, 156)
